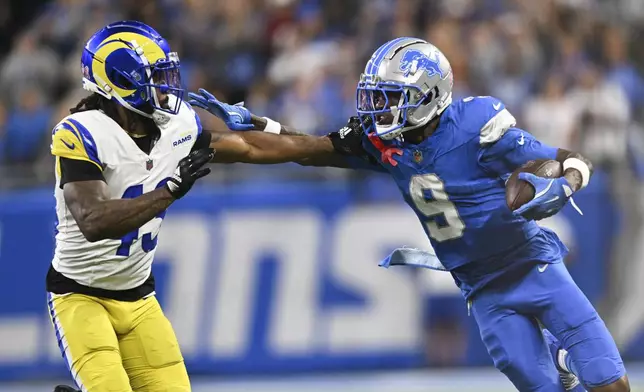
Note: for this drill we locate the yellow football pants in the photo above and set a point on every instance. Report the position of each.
(117, 346)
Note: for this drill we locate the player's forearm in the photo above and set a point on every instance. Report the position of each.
(267, 148)
(270, 148)
(574, 176)
(115, 218)
(330, 159)
(260, 125)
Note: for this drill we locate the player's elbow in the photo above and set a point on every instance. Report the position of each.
(259, 155)
(90, 227)
(92, 235)
(245, 153)
(251, 155)
(91, 232)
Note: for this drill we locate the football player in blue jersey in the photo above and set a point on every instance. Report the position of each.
(450, 160)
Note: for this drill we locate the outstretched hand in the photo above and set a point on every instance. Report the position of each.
(348, 139)
(236, 116)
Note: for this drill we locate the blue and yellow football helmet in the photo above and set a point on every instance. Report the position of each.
(130, 62)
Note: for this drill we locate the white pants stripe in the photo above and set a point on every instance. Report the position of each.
(62, 342)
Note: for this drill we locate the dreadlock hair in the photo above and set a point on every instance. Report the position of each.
(97, 102)
(110, 108)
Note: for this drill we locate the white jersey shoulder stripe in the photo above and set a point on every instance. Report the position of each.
(494, 129)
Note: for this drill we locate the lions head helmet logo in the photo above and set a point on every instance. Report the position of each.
(413, 60)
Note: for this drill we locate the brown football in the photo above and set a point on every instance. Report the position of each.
(519, 192)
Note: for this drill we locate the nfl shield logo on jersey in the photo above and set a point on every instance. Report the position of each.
(418, 156)
(149, 165)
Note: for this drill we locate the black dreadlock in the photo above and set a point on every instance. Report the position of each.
(110, 108)
(96, 102)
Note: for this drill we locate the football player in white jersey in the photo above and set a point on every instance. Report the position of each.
(123, 156)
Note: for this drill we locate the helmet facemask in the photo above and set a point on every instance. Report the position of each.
(394, 107)
(154, 83)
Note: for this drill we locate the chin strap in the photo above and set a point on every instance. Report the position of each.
(386, 152)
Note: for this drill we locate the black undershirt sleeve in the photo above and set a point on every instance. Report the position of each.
(73, 170)
(203, 140)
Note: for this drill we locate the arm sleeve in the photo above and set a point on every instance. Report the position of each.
(202, 141)
(73, 170)
(510, 151)
(364, 163)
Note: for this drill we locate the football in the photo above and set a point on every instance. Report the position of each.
(519, 192)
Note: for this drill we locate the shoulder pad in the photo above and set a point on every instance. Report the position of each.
(488, 117)
(195, 117)
(185, 122)
(71, 139)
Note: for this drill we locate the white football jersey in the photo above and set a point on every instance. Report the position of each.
(129, 172)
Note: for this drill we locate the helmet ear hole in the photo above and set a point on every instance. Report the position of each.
(423, 101)
(433, 94)
(122, 81)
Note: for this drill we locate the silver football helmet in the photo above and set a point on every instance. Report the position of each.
(406, 83)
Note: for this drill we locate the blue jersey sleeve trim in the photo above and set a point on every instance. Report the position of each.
(197, 119)
(86, 137)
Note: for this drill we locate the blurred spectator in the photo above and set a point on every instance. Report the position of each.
(514, 88)
(620, 70)
(260, 101)
(605, 115)
(25, 127)
(570, 57)
(61, 24)
(485, 57)
(3, 134)
(550, 115)
(300, 59)
(5, 24)
(31, 66)
(302, 103)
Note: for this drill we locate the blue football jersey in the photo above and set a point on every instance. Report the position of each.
(455, 182)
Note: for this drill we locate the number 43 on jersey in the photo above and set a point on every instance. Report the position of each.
(148, 243)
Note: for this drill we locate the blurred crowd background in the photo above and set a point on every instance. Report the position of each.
(569, 70)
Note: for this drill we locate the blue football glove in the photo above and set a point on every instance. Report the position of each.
(236, 116)
(551, 194)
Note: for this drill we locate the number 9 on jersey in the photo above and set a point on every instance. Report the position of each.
(439, 204)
